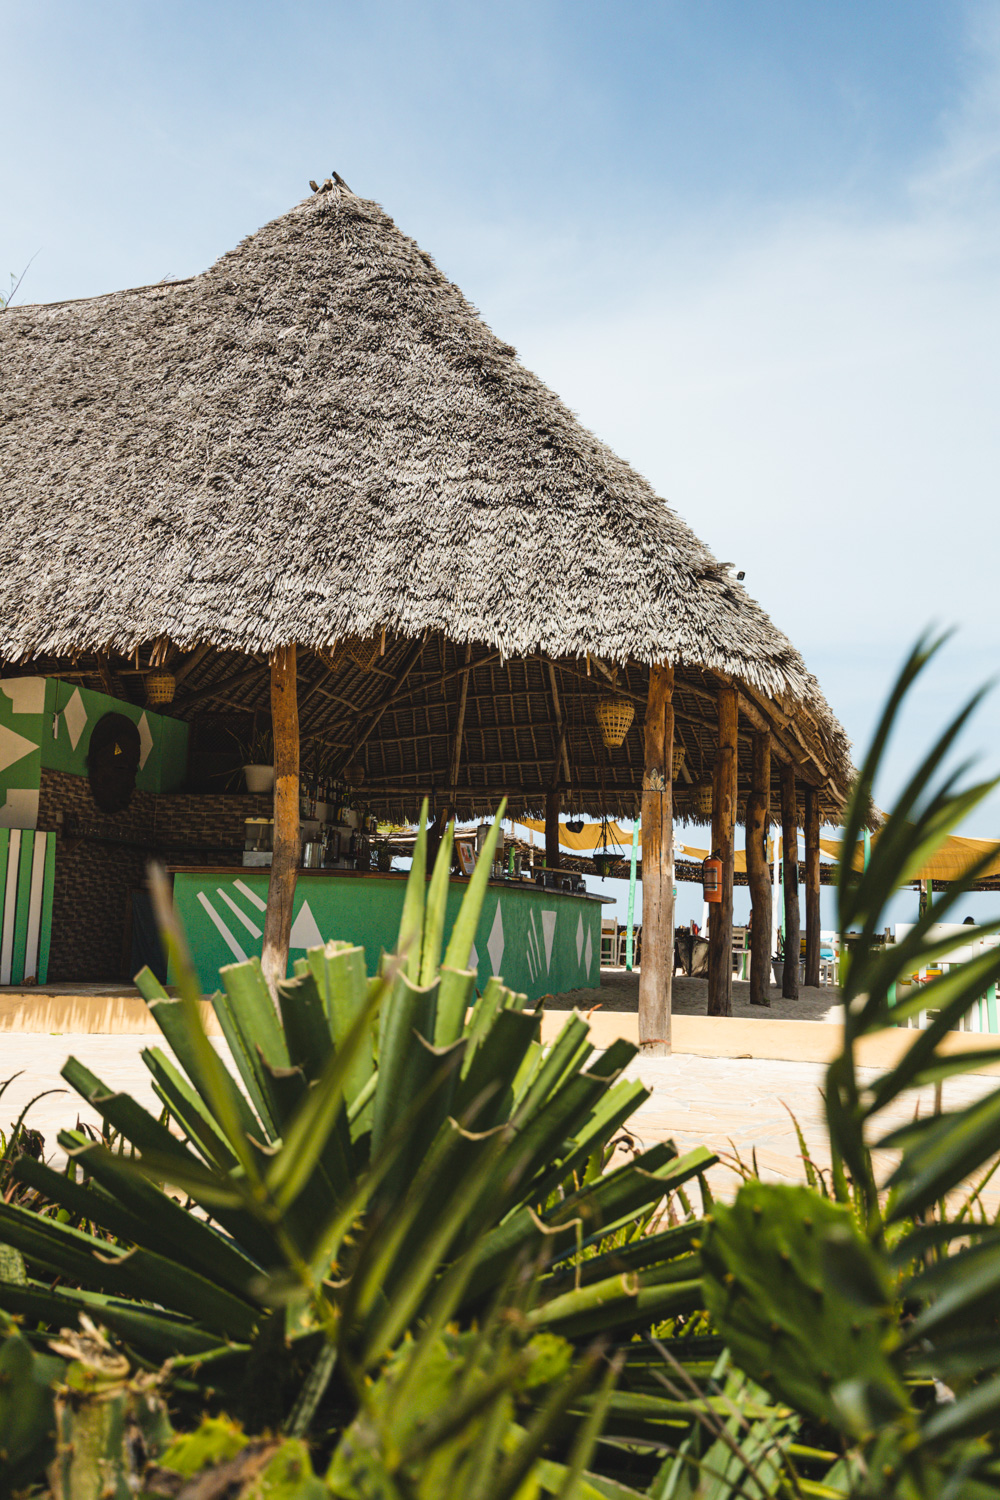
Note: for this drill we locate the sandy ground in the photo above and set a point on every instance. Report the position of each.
(735, 1106)
(619, 991)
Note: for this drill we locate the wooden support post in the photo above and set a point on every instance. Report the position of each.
(446, 812)
(107, 681)
(720, 920)
(553, 802)
(758, 875)
(287, 843)
(656, 971)
(812, 886)
(790, 866)
(629, 939)
(562, 751)
(436, 832)
(456, 744)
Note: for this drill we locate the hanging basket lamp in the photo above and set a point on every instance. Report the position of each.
(614, 719)
(605, 860)
(160, 688)
(574, 825)
(354, 774)
(364, 651)
(702, 797)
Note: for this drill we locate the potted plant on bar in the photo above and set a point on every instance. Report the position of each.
(256, 754)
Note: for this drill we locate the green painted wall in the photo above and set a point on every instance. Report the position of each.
(74, 712)
(46, 724)
(22, 716)
(540, 942)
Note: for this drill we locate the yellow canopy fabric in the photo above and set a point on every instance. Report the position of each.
(951, 861)
(591, 836)
(685, 851)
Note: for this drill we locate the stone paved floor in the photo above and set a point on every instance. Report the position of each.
(742, 1107)
(735, 1106)
(619, 991)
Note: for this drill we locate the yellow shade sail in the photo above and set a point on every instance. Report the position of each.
(952, 860)
(590, 837)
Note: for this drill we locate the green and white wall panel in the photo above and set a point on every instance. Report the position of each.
(27, 871)
(22, 721)
(45, 724)
(539, 941)
(70, 715)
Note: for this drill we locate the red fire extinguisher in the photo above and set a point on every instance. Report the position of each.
(711, 878)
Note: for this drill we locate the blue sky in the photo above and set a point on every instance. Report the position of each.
(755, 247)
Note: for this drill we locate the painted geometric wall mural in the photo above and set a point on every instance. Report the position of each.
(45, 724)
(549, 930)
(495, 941)
(27, 872)
(538, 941)
(22, 707)
(74, 718)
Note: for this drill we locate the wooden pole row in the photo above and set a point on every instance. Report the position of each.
(790, 874)
(758, 876)
(655, 984)
(720, 920)
(657, 968)
(287, 843)
(812, 887)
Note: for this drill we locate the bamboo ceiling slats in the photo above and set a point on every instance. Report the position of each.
(400, 716)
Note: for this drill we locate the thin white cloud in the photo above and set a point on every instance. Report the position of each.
(818, 396)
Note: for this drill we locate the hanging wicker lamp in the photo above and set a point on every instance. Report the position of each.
(702, 797)
(355, 774)
(364, 651)
(614, 719)
(160, 688)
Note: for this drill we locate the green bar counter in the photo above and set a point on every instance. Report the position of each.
(540, 941)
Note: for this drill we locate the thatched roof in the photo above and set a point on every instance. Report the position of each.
(320, 437)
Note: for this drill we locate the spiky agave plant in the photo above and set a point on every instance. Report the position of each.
(379, 1145)
(875, 1310)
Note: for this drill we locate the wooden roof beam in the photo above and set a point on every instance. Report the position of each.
(426, 687)
(191, 661)
(259, 669)
(408, 663)
(766, 717)
(456, 745)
